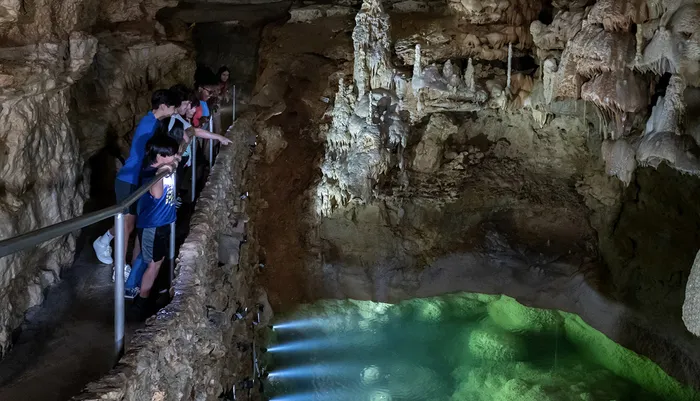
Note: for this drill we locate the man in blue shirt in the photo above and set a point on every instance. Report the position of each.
(163, 103)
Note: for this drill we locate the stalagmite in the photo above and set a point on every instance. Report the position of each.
(469, 76)
(417, 71)
(549, 69)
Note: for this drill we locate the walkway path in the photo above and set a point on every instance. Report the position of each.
(68, 341)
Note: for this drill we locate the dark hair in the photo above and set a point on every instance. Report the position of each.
(164, 96)
(177, 132)
(222, 70)
(193, 99)
(182, 92)
(204, 76)
(160, 144)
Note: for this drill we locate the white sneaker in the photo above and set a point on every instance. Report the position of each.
(127, 271)
(103, 251)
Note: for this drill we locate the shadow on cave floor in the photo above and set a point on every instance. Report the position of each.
(68, 341)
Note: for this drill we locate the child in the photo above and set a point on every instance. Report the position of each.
(156, 210)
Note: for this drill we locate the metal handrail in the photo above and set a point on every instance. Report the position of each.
(35, 237)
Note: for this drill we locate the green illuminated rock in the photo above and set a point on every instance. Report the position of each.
(521, 381)
(512, 316)
(624, 362)
(488, 342)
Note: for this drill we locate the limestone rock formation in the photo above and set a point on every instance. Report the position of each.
(274, 142)
(373, 68)
(429, 151)
(552, 38)
(368, 128)
(113, 95)
(675, 47)
(41, 166)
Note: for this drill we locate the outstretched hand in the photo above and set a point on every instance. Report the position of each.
(224, 140)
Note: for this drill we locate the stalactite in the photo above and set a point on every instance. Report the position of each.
(640, 44)
(510, 60)
(417, 79)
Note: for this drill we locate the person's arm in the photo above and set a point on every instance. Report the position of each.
(157, 188)
(189, 134)
(202, 133)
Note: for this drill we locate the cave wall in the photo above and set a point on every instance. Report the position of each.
(116, 90)
(73, 75)
(232, 45)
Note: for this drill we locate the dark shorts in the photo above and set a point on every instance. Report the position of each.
(123, 190)
(155, 243)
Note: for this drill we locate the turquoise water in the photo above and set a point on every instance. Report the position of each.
(465, 347)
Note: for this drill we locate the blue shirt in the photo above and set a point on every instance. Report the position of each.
(132, 167)
(205, 108)
(152, 212)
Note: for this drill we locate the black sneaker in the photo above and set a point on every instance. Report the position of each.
(138, 311)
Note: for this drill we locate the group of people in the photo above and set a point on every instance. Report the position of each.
(162, 141)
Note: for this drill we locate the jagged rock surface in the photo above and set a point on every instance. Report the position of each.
(116, 90)
(41, 166)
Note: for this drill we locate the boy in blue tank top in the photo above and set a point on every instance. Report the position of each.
(156, 210)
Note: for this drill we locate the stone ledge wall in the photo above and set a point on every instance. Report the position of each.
(193, 349)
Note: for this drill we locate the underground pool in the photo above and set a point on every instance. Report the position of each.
(457, 347)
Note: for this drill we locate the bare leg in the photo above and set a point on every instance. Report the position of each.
(137, 250)
(129, 223)
(149, 277)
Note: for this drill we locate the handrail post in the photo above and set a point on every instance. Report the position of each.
(119, 284)
(172, 252)
(194, 166)
(211, 143)
(172, 236)
(233, 105)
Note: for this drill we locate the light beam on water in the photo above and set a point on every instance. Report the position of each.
(305, 345)
(298, 324)
(314, 371)
(295, 397)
